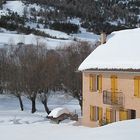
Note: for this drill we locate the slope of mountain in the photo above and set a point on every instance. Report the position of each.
(19, 25)
(68, 20)
(97, 15)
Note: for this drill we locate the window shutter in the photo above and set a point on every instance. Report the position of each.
(116, 83)
(108, 115)
(100, 114)
(91, 82)
(123, 114)
(136, 87)
(114, 88)
(100, 83)
(96, 113)
(91, 113)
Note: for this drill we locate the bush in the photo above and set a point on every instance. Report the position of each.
(65, 27)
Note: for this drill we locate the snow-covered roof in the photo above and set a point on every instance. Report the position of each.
(122, 51)
(58, 111)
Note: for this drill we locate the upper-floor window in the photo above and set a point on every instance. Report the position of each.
(137, 86)
(95, 83)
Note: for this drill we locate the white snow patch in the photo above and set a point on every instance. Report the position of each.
(13, 39)
(14, 6)
(75, 21)
(3, 13)
(58, 111)
(86, 36)
(19, 7)
(54, 33)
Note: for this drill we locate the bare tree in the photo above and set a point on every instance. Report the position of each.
(73, 55)
(3, 69)
(14, 73)
(33, 62)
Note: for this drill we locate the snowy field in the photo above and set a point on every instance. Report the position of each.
(12, 38)
(17, 125)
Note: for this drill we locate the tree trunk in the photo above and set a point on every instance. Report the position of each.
(20, 102)
(81, 105)
(33, 105)
(46, 107)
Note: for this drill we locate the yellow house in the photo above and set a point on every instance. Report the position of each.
(111, 80)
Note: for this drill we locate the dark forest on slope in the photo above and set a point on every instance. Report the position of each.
(96, 15)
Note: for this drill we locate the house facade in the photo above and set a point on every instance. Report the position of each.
(111, 85)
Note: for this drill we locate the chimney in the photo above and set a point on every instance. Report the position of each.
(103, 38)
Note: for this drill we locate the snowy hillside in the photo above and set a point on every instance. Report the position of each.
(57, 38)
(18, 6)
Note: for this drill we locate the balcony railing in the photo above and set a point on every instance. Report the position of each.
(113, 98)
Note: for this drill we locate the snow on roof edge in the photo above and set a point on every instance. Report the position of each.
(124, 43)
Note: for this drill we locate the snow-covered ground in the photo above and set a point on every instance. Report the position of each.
(17, 125)
(14, 38)
(8, 38)
(57, 34)
(86, 36)
(43, 130)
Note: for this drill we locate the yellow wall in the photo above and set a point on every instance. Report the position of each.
(125, 84)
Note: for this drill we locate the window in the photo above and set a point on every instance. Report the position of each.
(100, 114)
(132, 114)
(123, 114)
(110, 115)
(96, 113)
(92, 113)
(137, 86)
(95, 83)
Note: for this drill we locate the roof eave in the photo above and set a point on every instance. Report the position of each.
(112, 70)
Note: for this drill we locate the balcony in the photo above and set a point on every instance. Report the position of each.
(115, 99)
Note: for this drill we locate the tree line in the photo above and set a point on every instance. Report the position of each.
(34, 70)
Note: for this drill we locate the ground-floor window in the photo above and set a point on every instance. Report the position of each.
(127, 114)
(110, 115)
(132, 114)
(96, 113)
(123, 115)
